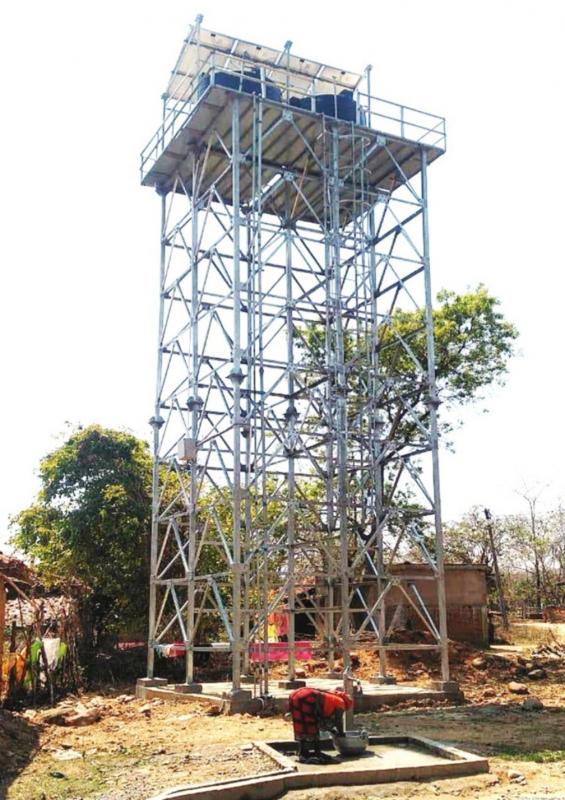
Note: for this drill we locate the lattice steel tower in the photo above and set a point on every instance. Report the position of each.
(295, 424)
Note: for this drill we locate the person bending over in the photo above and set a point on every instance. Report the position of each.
(312, 711)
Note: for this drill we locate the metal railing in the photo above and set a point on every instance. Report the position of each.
(378, 114)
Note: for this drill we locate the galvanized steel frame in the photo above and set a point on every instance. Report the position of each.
(292, 455)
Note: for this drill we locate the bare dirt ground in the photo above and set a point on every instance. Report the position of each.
(136, 749)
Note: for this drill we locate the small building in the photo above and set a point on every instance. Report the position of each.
(466, 599)
(37, 633)
(15, 577)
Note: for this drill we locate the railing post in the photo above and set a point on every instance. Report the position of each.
(368, 70)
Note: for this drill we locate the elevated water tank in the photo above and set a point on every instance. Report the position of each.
(248, 82)
(340, 106)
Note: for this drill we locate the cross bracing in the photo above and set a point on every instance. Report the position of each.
(295, 425)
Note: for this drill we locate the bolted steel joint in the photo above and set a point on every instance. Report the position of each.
(236, 376)
(433, 401)
(291, 413)
(195, 403)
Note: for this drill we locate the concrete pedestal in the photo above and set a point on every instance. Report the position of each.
(383, 680)
(295, 684)
(188, 688)
(237, 694)
(451, 688)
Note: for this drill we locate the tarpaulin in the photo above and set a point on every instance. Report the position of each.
(278, 651)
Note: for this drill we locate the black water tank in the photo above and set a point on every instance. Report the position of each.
(220, 79)
(250, 83)
(340, 106)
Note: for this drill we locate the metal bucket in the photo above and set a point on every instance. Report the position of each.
(352, 743)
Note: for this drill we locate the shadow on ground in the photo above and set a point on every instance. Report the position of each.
(18, 744)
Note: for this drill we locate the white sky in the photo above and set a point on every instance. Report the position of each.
(80, 94)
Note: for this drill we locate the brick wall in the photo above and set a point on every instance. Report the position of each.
(466, 596)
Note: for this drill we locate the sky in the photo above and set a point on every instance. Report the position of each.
(80, 87)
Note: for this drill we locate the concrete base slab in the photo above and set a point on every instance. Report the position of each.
(371, 697)
(387, 759)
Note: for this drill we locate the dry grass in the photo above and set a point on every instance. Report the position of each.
(536, 632)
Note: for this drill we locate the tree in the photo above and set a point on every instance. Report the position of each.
(473, 345)
(467, 541)
(530, 549)
(90, 524)
(535, 537)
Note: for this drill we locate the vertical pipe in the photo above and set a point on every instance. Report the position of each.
(195, 412)
(340, 391)
(433, 404)
(290, 423)
(376, 432)
(261, 453)
(328, 366)
(246, 541)
(368, 76)
(236, 376)
(156, 423)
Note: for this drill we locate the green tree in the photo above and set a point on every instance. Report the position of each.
(529, 549)
(90, 523)
(467, 540)
(473, 345)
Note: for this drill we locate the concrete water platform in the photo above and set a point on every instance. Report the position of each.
(372, 695)
(387, 759)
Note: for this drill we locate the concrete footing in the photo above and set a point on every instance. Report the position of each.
(451, 688)
(384, 680)
(238, 694)
(296, 684)
(188, 688)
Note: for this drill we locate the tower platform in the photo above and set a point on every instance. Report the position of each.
(292, 148)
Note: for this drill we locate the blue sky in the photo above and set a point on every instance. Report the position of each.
(81, 87)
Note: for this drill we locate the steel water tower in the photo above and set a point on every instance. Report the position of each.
(295, 422)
